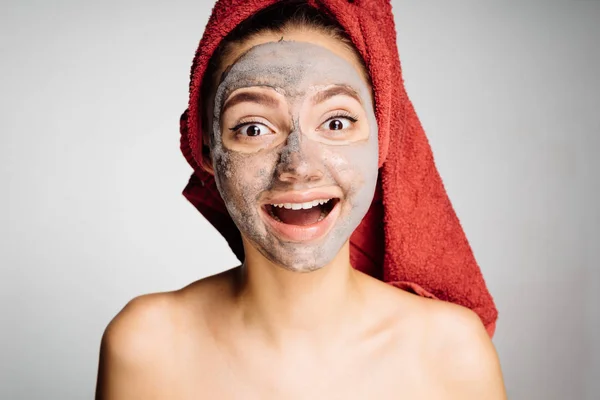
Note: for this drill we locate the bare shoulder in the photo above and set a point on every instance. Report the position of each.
(448, 342)
(461, 352)
(134, 346)
(143, 322)
(150, 320)
(147, 340)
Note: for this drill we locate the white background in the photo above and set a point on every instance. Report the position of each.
(91, 175)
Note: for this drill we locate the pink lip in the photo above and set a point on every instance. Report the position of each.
(305, 233)
(302, 196)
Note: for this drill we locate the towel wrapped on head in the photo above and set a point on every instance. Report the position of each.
(410, 237)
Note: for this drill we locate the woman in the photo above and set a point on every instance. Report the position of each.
(294, 133)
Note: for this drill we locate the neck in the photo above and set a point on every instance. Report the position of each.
(309, 306)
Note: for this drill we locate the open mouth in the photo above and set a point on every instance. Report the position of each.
(301, 214)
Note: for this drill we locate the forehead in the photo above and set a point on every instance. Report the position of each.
(292, 67)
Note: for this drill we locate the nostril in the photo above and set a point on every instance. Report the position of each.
(301, 171)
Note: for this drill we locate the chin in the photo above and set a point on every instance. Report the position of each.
(301, 258)
(302, 268)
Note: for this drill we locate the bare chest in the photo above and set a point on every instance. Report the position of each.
(265, 378)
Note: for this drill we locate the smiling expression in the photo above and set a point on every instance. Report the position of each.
(294, 147)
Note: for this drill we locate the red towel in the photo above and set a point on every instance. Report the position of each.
(410, 237)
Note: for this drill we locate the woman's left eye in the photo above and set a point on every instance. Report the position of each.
(337, 123)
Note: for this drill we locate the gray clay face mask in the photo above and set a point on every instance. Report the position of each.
(295, 151)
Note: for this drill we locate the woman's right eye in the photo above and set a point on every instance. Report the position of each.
(252, 129)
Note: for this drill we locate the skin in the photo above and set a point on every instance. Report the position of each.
(297, 151)
(260, 331)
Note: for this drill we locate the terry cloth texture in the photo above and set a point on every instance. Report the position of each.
(411, 236)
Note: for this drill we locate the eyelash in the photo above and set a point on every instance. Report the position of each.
(244, 123)
(340, 114)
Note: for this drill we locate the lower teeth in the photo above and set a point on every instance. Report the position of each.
(321, 216)
(276, 218)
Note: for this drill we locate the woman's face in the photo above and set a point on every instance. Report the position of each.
(294, 148)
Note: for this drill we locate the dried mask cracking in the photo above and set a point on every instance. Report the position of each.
(296, 157)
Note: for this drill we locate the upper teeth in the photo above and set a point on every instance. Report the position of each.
(299, 206)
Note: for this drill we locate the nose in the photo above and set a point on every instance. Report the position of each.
(299, 160)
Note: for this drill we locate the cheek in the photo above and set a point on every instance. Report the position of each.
(353, 166)
(241, 178)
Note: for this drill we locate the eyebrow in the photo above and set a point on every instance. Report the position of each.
(336, 91)
(254, 97)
